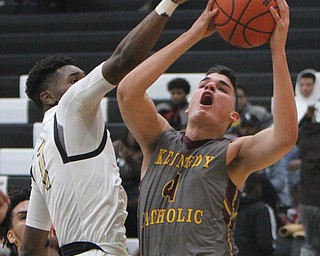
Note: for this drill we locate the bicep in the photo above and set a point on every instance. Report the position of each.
(38, 215)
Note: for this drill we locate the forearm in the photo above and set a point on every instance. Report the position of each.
(34, 242)
(134, 48)
(151, 69)
(142, 42)
(285, 131)
(162, 60)
(285, 112)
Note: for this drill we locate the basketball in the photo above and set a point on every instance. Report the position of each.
(245, 23)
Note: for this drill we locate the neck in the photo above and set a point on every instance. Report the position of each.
(202, 133)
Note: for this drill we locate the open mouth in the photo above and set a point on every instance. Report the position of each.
(206, 99)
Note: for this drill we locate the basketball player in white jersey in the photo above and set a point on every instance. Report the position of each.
(75, 179)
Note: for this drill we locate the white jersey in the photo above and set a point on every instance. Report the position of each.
(76, 186)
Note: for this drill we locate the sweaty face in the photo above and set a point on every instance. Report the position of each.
(213, 101)
(19, 214)
(306, 86)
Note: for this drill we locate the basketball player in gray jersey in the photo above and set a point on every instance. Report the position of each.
(76, 186)
(191, 180)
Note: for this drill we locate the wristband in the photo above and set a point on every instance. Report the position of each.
(166, 8)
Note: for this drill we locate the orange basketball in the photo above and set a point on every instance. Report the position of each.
(245, 23)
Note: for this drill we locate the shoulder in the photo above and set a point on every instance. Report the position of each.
(170, 136)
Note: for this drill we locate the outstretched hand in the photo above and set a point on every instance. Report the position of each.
(279, 35)
(4, 203)
(204, 25)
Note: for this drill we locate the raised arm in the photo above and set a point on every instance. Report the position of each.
(134, 48)
(137, 109)
(285, 114)
(268, 146)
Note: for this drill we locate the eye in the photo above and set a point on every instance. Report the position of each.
(23, 217)
(201, 85)
(222, 89)
(73, 81)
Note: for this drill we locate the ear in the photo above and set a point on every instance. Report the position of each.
(11, 236)
(234, 116)
(187, 111)
(47, 98)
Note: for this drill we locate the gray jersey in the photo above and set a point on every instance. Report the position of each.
(188, 204)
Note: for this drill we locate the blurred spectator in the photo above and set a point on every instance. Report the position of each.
(285, 177)
(302, 189)
(307, 92)
(255, 226)
(245, 106)
(4, 251)
(129, 160)
(250, 125)
(13, 226)
(264, 117)
(277, 174)
(292, 162)
(175, 111)
(309, 201)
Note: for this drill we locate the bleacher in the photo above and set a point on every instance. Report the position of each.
(90, 30)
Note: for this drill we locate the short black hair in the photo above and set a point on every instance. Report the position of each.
(179, 83)
(228, 72)
(309, 75)
(42, 74)
(16, 197)
(253, 185)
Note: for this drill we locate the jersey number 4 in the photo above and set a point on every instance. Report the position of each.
(170, 189)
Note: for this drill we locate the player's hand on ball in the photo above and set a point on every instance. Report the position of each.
(279, 35)
(204, 25)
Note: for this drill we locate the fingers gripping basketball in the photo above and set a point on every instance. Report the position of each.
(245, 23)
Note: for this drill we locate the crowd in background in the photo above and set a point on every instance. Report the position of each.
(270, 219)
(279, 211)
